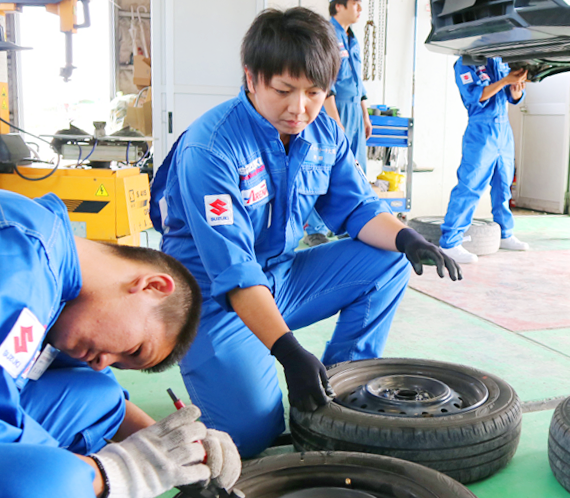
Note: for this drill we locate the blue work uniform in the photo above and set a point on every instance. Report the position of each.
(488, 152)
(349, 91)
(70, 406)
(231, 203)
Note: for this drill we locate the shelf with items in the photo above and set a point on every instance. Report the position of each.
(390, 132)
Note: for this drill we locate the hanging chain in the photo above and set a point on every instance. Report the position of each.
(381, 36)
(367, 42)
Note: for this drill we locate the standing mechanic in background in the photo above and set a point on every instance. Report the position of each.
(231, 199)
(346, 102)
(488, 154)
(85, 306)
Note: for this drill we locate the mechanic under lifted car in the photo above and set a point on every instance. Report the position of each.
(488, 154)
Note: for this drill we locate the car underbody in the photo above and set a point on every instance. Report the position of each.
(529, 34)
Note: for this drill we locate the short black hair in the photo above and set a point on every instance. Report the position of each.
(296, 41)
(181, 310)
(333, 4)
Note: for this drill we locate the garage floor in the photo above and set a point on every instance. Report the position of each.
(479, 326)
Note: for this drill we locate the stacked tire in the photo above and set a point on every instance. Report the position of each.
(483, 237)
(346, 475)
(559, 444)
(468, 435)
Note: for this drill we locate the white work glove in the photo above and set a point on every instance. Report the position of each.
(223, 458)
(156, 459)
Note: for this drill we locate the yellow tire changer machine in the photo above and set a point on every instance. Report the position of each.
(103, 204)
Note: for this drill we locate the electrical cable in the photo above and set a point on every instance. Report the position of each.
(41, 177)
(43, 140)
(79, 156)
(24, 131)
(90, 153)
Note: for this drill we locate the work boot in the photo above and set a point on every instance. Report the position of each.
(513, 244)
(460, 255)
(315, 239)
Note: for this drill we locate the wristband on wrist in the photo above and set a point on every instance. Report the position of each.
(107, 489)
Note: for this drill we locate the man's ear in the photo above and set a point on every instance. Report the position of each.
(159, 284)
(250, 80)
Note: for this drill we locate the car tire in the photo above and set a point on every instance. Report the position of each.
(468, 435)
(483, 237)
(336, 474)
(559, 444)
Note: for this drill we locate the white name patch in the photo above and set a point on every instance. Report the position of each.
(252, 166)
(20, 345)
(219, 210)
(255, 194)
(466, 78)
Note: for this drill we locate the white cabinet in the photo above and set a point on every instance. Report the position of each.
(542, 135)
(195, 61)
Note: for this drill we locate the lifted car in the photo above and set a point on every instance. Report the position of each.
(529, 34)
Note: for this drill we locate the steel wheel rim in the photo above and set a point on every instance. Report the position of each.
(409, 391)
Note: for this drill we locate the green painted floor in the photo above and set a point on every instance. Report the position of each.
(536, 363)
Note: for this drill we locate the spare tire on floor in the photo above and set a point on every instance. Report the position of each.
(559, 444)
(455, 419)
(343, 475)
(483, 236)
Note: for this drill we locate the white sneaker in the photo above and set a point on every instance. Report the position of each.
(460, 255)
(513, 244)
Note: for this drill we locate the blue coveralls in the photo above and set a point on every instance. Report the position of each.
(70, 407)
(488, 152)
(233, 210)
(349, 91)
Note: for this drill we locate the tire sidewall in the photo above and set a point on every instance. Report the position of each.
(435, 483)
(501, 398)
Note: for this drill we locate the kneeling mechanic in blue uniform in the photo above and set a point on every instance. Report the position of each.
(231, 199)
(69, 308)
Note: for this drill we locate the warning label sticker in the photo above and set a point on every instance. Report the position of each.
(102, 191)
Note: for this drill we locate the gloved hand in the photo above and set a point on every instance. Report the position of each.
(421, 252)
(223, 458)
(306, 376)
(157, 458)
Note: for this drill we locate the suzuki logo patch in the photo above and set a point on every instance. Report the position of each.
(21, 344)
(466, 78)
(219, 210)
(255, 194)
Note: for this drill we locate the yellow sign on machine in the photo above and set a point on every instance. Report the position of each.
(103, 204)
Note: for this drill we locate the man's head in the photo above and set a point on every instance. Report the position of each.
(138, 309)
(346, 12)
(299, 48)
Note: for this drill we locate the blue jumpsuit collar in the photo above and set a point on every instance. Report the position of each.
(266, 126)
(338, 27)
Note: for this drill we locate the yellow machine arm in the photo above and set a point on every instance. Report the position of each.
(67, 12)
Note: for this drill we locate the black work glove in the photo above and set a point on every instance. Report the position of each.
(421, 252)
(306, 376)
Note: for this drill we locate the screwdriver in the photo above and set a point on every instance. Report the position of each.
(210, 491)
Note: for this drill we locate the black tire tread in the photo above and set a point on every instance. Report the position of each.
(466, 450)
(485, 235)
(436, 485)
(559, 444)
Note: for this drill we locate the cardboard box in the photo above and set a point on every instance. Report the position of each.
(388, 195)
(141, 71)
(140, 118)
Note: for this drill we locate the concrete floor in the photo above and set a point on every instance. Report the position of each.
(536, 362)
